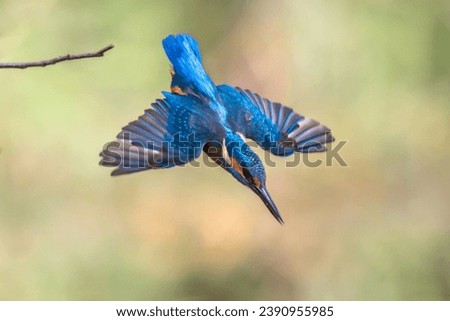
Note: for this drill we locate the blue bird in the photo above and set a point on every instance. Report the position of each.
(199, 116)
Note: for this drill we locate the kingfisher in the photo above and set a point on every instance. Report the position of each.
(197, 116)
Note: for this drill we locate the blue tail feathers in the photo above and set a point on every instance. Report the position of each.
(182, 44)
(190, 77)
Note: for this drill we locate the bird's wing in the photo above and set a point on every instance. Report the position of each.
(273, 126)
(171, 133)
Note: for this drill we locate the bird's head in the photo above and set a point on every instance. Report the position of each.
(247, 168)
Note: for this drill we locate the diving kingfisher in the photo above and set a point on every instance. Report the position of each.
(199, 116)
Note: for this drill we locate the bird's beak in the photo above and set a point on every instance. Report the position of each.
(264, 195)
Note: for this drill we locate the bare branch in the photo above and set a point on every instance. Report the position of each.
(43, 63)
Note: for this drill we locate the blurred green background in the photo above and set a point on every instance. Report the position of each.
(376, 72)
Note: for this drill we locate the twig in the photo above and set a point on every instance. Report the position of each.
(43, 63)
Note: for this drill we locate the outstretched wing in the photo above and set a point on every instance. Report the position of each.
(273, 126)
(171, 133)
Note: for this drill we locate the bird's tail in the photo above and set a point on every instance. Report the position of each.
(189, 75)
(181, 45)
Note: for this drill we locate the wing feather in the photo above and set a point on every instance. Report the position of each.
(273, 126)
(160, 138)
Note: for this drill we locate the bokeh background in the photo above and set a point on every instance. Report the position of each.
(376, 72)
